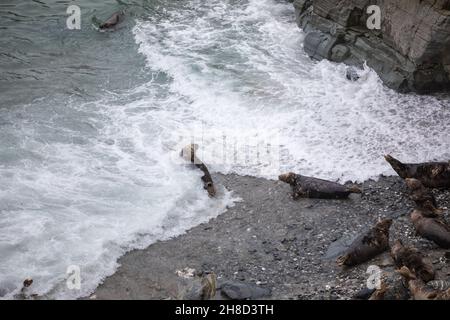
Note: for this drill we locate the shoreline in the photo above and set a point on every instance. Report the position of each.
(270, 241)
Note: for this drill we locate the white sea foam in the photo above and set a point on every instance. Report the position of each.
(241, 72)
(97, 179)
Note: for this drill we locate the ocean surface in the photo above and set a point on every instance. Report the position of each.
(91, 124)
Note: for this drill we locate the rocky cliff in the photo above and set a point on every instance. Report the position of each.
(410, 52)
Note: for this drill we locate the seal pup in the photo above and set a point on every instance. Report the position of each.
(419, 290)
(413, 260)
(434, 229)
(422, 196)
(188, 153)
(368, 245)
(112, 21)
(431, 174)
(308, 187)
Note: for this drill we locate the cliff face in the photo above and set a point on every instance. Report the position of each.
(411, 51)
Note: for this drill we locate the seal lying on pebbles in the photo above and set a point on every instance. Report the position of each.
(112, 21)
(419, 290)
(188, 153)
(422, 196)
(434, 229)
(367, 246)
(431, 174)
(413, 260)
(308, 187)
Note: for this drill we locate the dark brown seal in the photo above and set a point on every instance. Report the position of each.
(367, 246)
(422, 196)
(413, 260)
(418, 288)
(188, 153)
(112, 21)
(431, 174)
(434, 229)
(308, 187)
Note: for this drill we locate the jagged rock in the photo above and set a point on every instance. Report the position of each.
(411, 51)
(243, 291)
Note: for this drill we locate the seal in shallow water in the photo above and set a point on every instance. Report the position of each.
(431, 174)
(413, 260)
(112, 21)
(367, 246)
(422, 196)
(188, 153)
(434, 229)
(308, 187)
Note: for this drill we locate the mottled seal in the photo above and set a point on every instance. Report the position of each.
(188, 153)
(431, 174)
(112, 21)
(434, 229)
(308, 187)
(367, 246)
(419, 290)
(422, 196)
(413, 260)
(197, 287)
(351, 74)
